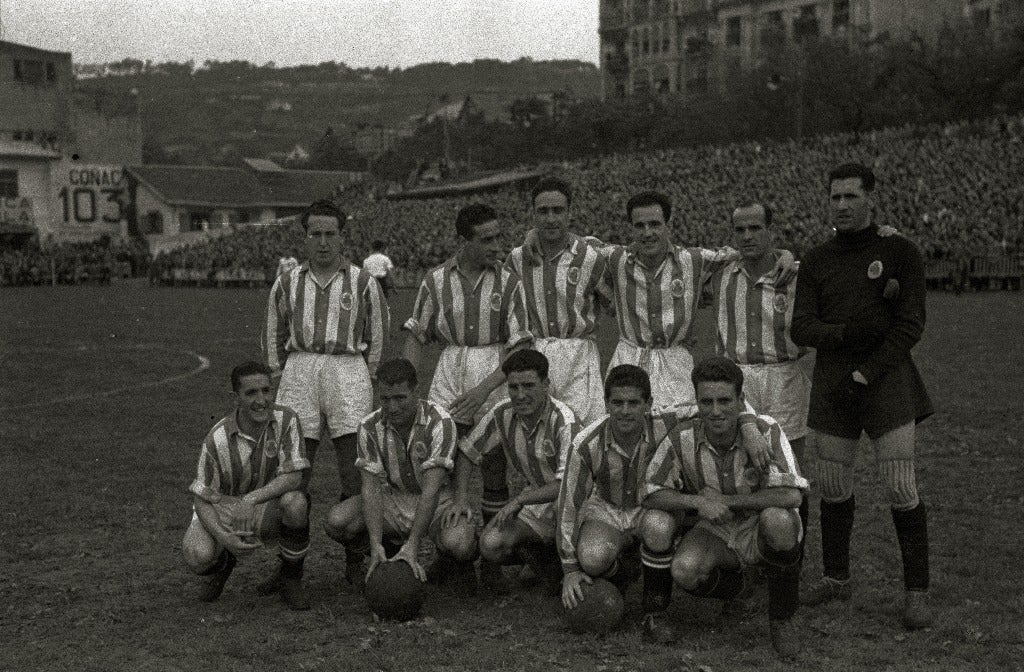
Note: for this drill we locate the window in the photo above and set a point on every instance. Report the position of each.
(51, 72)
(28, 72)
(154, 221)
(698, 80)
(8, 183)
(666, 40)
(840, 14)
(773, 30)
(199, 221)
(733, 31)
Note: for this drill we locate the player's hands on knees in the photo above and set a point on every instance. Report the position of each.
(239, 544)
(458, 510)
(507, 514)
(572, 588)
(713, 509)
(377, 556)
(408, 553)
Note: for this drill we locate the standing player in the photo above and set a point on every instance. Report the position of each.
(861, 303)
(656, 287)
(535, 432)
(753, 312)
(747, 516)
(248, 490)
(380, 267)
(562, 285)
(473, 305)
(327, 323)
(406, 449)
(599, 499)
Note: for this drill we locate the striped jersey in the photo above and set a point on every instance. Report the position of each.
(537, 452)
(561, 291)
(598, 467)
(654, 307)
(753, 316)
(400, 465)
(454, 311)
(345, 316)
(692, 464)
(233, 463)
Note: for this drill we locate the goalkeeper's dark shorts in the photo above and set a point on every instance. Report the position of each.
(840, 407)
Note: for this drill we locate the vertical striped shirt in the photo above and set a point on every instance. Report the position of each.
(233, 463)
(538, 452)
(400, 465)
(753, 316)
(561, 291)
(452, 310)
(346, 316)
(654, 307)
(598, 467)
(692, 464)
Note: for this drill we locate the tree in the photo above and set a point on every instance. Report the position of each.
(332, 153)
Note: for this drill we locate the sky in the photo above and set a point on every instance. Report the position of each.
(360, 33)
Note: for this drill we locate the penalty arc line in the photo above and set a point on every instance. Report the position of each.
(204, 364)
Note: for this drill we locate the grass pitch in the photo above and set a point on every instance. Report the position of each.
(107, 393)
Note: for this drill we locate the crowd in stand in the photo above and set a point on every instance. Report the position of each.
(954, 189)
(73, 263)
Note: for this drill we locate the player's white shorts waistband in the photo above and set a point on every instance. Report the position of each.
(669, 370)
(461, 368)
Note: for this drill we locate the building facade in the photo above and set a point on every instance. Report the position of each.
(682, 46)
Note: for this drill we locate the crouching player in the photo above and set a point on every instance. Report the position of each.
(747, 516)
(535, 432)
(599, 509)
(247, 489)
(406, 449)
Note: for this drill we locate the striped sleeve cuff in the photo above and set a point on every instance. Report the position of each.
(203, 491)
(375, 468)
(292, 466)
(783, 479)
(445, 463)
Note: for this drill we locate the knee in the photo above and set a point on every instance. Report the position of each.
(494, 545)
(900, 483)
(836, 480)
(596, 556)
(688, 570)
(459, 542)
(779, 528)
(294, 509)
(343, 521)
(199, 555)
(657, 530)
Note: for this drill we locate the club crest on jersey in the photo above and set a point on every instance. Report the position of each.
(677, 288)
(780, 303)
(751, 476)
(573, 276)
(548, 448)
(346, 301)
(419, 450)
(496, 301)
(875, 270)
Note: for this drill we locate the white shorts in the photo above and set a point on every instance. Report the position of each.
(626, 521)
(575, 375)
(399, 509)
(265, 525)
(668, 368)
(740, 536)
(460, 369)
(540, 518)
(331, 389)
(782, 391)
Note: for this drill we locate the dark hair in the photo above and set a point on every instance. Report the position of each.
(327, 209)
(645, 198)
(551, 183)
(395, 371)
(377, 245)
(718, 370)
(627, 375)
(250, 368)
(471, 217)
(753, 204)
(848, 170)
(526, 360)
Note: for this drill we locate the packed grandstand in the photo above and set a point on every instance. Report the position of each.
(954, 189)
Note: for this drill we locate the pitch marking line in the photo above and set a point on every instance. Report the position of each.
(204, 364)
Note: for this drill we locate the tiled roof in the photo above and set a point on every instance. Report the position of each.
(238, 187)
